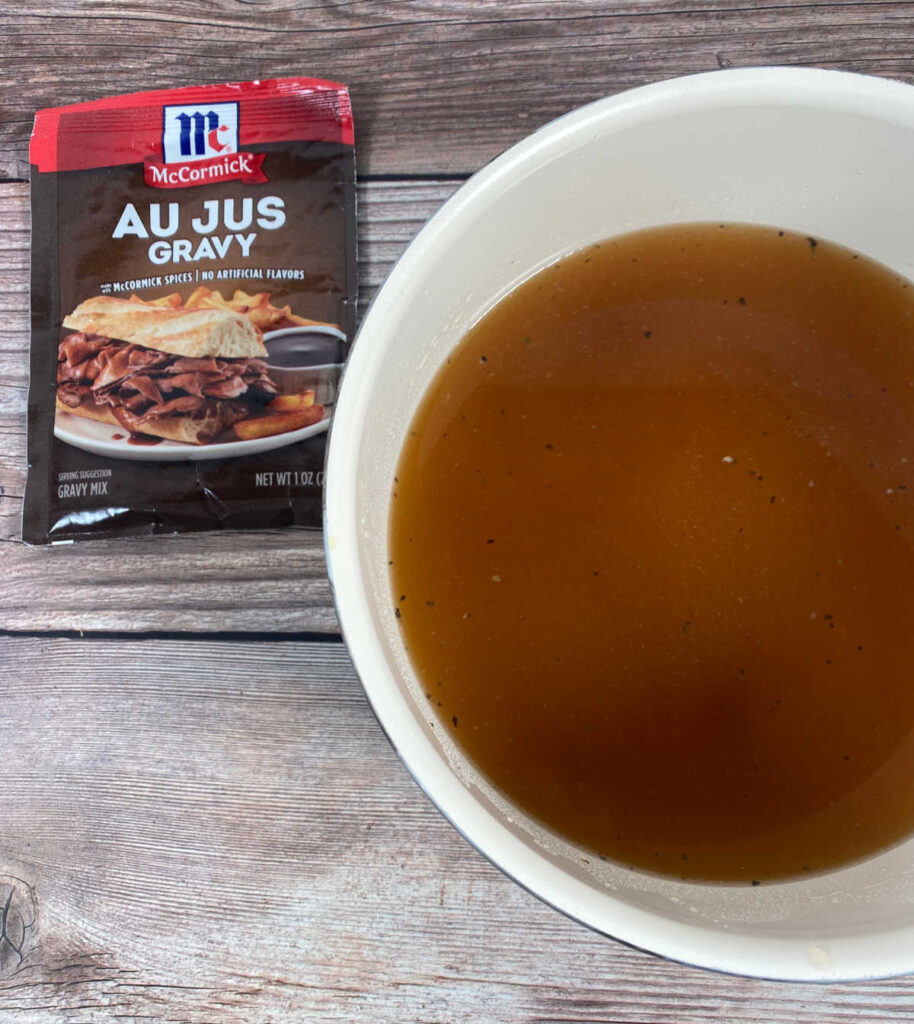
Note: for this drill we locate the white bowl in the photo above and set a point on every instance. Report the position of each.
(820, 152)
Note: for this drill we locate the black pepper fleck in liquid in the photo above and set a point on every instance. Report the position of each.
(652, 551)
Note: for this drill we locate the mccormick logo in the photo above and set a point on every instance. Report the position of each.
(198, 133)
(200, 146)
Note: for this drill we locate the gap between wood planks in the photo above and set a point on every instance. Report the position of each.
(363, 179)
(227, 636)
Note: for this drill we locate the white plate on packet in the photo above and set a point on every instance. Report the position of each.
(102, 439)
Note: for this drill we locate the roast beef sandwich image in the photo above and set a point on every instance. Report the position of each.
(176, 373)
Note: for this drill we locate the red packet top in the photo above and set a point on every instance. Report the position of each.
(189, 124)
(193, 298)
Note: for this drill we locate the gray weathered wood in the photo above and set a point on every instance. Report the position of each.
(208, 832)
(438, 85)
(216, 832)
(274, 581)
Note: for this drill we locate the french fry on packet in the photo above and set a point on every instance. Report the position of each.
(193, 262)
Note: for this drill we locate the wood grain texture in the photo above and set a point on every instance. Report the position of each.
(219, 832)
(438, 85)
(234, 581)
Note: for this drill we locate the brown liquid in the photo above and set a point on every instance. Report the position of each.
(651, 551)
(144, 440)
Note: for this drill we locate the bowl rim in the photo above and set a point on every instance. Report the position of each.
(886, 953)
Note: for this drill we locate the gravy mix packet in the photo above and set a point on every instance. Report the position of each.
(193, 299)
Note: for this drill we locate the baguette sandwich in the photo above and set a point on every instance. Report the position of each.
(182, 374)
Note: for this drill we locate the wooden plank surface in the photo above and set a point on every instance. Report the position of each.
(236, 581)
(438, 85)
(208, 830)
(214, 832)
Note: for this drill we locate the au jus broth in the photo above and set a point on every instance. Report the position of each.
(651, 551)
